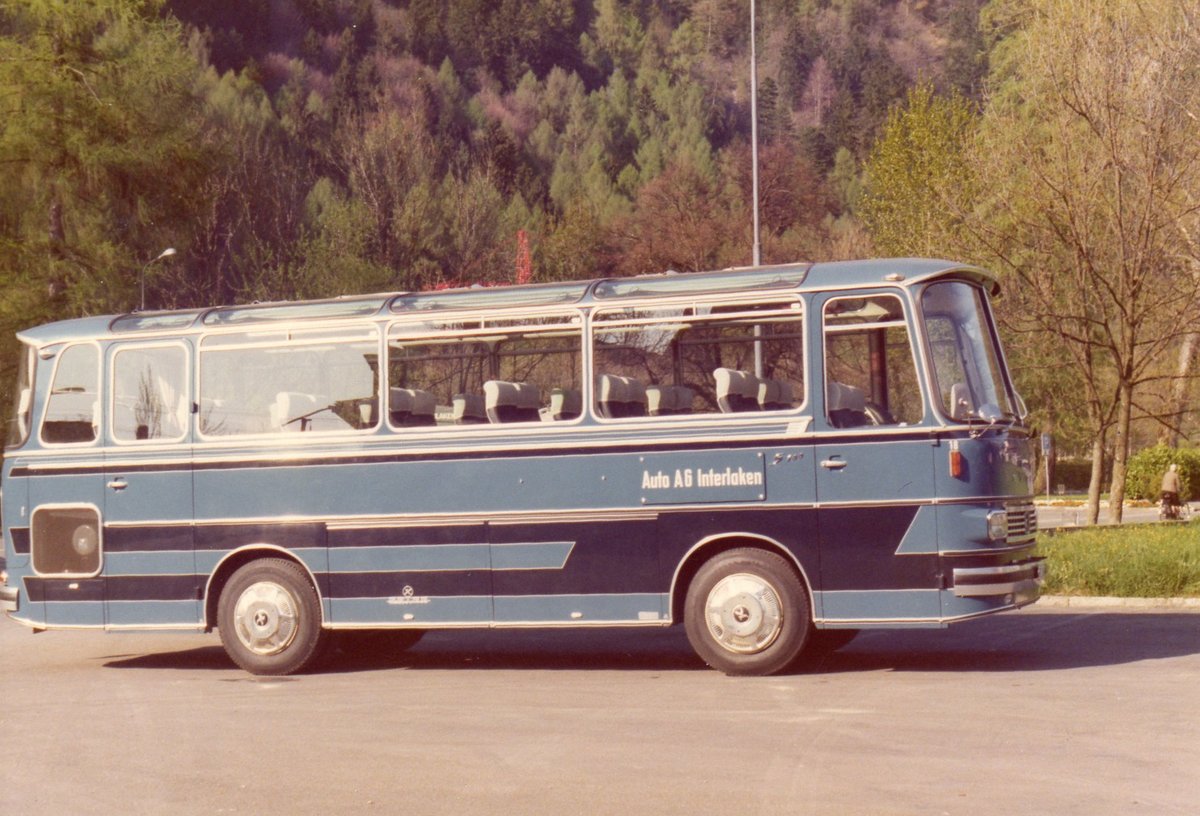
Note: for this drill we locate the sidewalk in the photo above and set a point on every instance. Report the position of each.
(1054, 515)
(1086, 602)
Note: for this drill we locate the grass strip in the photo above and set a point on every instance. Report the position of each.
(1139, 561)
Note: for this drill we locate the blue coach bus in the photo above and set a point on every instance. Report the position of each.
(775, 458)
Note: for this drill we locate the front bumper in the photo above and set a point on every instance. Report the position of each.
(1022, 580)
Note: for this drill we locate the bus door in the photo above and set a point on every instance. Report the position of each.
(149, 555)
(66, 493)
(874, 465)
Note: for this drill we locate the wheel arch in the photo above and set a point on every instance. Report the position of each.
(235, 560)
(708, 548)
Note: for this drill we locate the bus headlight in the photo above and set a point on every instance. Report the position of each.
(997, 525)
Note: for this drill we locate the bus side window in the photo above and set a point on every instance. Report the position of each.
(73, 409)
(286, 382)
(150, 393)
(485, 371)
(870, 370)
(725, 359)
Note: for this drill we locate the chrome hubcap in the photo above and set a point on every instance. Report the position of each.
(265, 618)
(743, 613)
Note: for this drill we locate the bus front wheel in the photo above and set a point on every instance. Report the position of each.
(269, 618)
(746, 613)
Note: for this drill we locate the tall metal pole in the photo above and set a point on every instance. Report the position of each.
(757, 251)
(757, 255)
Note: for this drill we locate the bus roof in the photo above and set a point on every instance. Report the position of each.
(783, 277)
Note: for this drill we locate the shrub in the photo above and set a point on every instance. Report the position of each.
(1143, 478)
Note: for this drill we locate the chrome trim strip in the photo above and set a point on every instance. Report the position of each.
(285, 448)
(541, 516)
(985, 550)
(892, 623)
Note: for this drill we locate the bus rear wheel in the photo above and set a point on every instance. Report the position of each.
(269, 618)
(746, 613)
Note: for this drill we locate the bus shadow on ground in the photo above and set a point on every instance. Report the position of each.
(1025, 642)
(1011, 643)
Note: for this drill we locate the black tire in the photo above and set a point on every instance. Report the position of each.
(269, 618)
(747, 613)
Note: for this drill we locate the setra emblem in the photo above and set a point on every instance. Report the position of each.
(406, 597)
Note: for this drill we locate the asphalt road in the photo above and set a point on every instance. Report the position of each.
(1041, 711)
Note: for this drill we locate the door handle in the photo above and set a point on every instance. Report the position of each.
(118, 484)
(833, 464)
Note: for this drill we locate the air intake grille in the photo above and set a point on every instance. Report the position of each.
(1022, 521)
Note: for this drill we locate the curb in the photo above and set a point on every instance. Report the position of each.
(1086, 602)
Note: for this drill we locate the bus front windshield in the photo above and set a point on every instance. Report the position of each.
(967, 367)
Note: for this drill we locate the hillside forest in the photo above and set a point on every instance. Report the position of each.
(311, 148)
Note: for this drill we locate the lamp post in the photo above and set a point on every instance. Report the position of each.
(166, 253)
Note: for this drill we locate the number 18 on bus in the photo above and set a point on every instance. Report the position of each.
(773, 458)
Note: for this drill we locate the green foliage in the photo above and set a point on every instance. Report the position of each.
(1143, 561)
(918, 174)
(1074, 475)
(102, 138)
(1143, 479)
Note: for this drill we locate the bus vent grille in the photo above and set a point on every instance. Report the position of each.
(1022, 521)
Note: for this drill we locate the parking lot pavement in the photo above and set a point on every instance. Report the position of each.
(1061, 711)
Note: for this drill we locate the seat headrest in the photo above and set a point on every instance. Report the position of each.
(733, 381)
(844, 397)
(514, 394)
(614, 388)
(411, 401)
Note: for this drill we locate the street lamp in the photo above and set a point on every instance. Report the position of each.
(166, 253)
